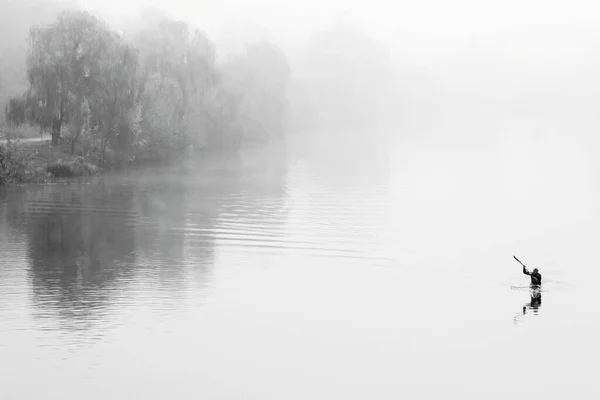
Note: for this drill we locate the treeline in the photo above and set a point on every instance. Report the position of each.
(150, 94)
(344, 80)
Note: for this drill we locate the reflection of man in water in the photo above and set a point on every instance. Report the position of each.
(536, 277)
(536, 302)
(535, 292)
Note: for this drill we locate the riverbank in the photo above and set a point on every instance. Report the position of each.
(32, 159)
(35, 160)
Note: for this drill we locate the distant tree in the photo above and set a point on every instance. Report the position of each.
(15, 111)
(346, 73)
(117, 97)
(113, 98)
(260, 77)
(177, 74)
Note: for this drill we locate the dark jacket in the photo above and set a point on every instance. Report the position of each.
(536, 277)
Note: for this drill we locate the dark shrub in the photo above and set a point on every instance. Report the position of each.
(76, 166)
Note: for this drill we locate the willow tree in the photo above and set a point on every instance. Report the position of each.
(176, 74)
(78, 60)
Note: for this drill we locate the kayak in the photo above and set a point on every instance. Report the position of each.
(531, 288)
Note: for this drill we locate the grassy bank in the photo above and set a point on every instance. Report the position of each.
(34, 160)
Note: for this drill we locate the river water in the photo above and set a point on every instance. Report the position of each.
(309, 271)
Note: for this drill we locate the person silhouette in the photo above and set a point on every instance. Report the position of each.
(536, 277)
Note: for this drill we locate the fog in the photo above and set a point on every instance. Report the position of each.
(492, 107)
(358, 178)
(493, 102)
(534, 62)
(529, 61)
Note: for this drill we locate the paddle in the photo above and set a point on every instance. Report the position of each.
(519, 261)
(534, 280)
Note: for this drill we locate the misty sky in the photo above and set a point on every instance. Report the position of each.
(525, 31)
(436, 17)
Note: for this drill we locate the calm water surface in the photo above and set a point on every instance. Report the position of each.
(292, 273)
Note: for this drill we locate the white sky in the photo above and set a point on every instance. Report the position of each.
(387, 17)
(429, 28)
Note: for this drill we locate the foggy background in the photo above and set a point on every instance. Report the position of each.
(531, 61)
(487, 112)
(492, 109)
(534, 62)
(370, 256)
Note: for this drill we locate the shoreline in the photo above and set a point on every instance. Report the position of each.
(36, 161)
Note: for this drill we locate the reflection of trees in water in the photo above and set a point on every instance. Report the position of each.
(77, 244)
(169, 249)
(142, 238)
(250, 193)
(180, 212)
(12, 208)
(91, 246)
(11, 239)
(120, 238)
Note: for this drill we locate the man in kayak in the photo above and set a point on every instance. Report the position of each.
(536, 277)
